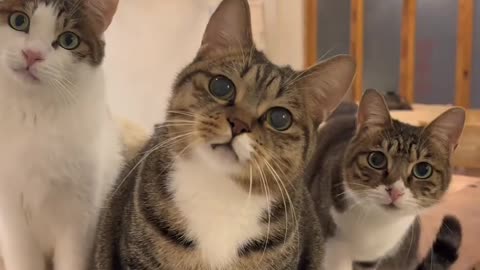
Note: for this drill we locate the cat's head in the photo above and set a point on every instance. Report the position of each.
(50, 44)
(239, 113)
(398, 167)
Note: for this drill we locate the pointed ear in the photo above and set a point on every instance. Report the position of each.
(373, 111)
(229, 27)
(325, 85)
(103, 12)
(448, 127)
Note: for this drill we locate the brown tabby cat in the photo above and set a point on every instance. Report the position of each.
(372, 175)
(221, 183)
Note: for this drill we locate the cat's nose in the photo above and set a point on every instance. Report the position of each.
(32, 57)
(394, 193)
(238, 126)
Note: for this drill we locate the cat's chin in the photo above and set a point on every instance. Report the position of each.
(220, 157)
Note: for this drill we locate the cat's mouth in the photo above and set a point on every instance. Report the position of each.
(225, 149)
(27, 74)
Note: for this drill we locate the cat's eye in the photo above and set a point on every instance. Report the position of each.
(422, 170)
(69, 41)
(279, 118)
(377, 160)
(19, 21)
(222, 88)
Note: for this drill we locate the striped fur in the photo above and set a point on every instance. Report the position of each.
(346, 189)
(181, 205)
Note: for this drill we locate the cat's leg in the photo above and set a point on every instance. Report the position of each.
(20, 251)
(337, 256)
(74, 247)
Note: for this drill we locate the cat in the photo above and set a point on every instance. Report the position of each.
(220, 184)
(371, 176)
(61, 150)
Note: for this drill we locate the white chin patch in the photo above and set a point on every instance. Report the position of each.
(227, 158)
(243, 147)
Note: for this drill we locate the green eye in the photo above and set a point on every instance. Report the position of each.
(377, 160)
(19, 21)
(222, 88)
(279, 118)
(422, 170)
(69, 41)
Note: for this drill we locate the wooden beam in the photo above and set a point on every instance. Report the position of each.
(357, 27)
(311, 28)
(407, 54)
(464, 52)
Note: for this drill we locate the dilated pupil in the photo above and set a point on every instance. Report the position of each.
(222, 87)
(68, 40)
(422, 169)
(377, 159)
(20, 20)
(279, 118)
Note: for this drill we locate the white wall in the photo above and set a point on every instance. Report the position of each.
(151, 40)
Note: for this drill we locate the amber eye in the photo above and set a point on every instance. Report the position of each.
(19, 21)
(69, 41)
(377, 160)
(279, 118)
(222, 88)
(422, 170)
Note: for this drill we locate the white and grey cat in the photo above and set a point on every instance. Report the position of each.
(60, 149)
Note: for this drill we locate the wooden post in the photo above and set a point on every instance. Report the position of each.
(311, 25)
(464, 52)
(357, 26)
(407, 54)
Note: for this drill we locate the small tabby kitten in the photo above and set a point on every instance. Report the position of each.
(221, 183)
(60, 148)
(371, 176)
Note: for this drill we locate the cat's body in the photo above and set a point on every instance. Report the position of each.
(61, 149)
(154, 230)
(349, 196)
(220, 185)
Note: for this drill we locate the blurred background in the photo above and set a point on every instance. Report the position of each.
(425, 53)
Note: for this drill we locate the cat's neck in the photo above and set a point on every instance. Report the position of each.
(220, 214)
(52, 104)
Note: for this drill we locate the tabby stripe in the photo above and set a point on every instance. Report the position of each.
(188, 77)
(261, 245)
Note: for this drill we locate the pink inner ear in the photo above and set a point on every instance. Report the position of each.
(104, 10)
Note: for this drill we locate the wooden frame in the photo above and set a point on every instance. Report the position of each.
(464, 52)
(311, 25)
(357, 27)
(407, 53)
(408, 37)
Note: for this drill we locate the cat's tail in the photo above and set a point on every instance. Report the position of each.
(444, 252)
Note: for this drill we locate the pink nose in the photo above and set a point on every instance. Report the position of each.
(394, 193)
(32, 57)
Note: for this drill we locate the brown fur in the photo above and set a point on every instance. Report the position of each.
(142, 227)
(73, 15)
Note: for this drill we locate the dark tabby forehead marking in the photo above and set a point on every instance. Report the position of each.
(72, 15)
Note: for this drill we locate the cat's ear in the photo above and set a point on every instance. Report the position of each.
(325, 85)
(373, 111)
(448, 127)
(229, 27)
(103, 12)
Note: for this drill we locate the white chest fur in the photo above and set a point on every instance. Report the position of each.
(221, 215)
(366, 234)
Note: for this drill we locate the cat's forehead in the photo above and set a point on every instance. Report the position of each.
(73, 9)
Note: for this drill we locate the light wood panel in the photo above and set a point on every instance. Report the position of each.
(357, 28)
(464, 52)
(407, 54)
(311, 28)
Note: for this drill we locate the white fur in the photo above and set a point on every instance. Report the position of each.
(221, 216)
(60, 152)
(366, 231)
